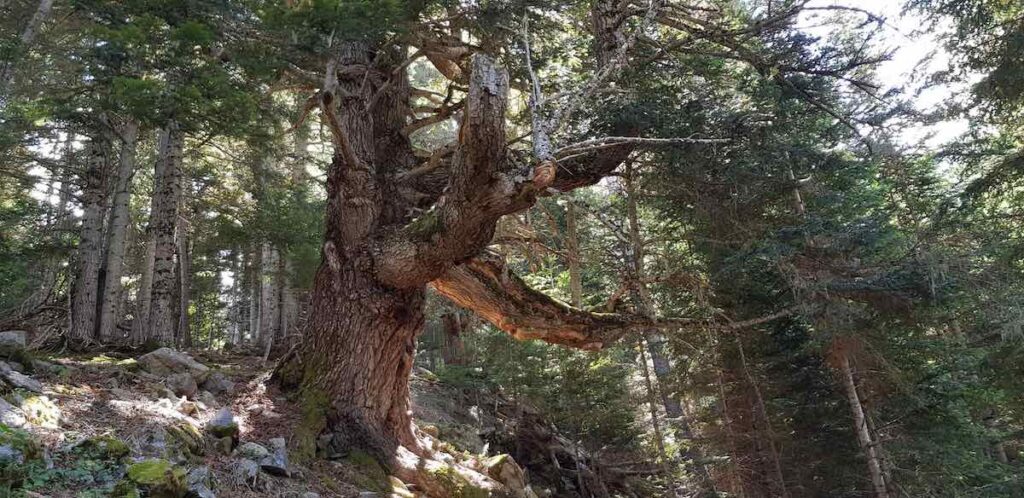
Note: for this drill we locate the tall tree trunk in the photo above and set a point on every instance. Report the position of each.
(117, 235)
(762, 409)
(185, 282)
(90, 245)
(270, 295)
(572, 249)
(659, 438)
(28, 36)
(860, 427)
(253, 273)
(163, 221)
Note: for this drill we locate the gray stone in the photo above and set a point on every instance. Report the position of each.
(13, 338)
(199, 481)
(310, 494)
(206, 398)
(245, 471)
(277, 462)
(253, 451)
(9, 454)
(20, 380)
(182, 384)
(218, 383)
(17, 367)
(223, 424)
(369, 494)
(166, 361)
(10, 415)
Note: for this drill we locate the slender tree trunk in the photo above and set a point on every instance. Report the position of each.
(780, 478)
(254, 296)
(270, 294)
(117, 230)
(28, 36)
(860, 427)
(185, 291)
(90, 245)
(454, 351)
(659, 439)
(572, 248)
(163, 309)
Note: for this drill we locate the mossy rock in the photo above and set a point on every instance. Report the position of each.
(187, 439)
(18, 355)
(104, 448)
(158, 478)
(21, 441)
(369, 474)
(455, 484)
(125, 489)
(399, 489)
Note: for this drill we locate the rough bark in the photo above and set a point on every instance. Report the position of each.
(379, 253)
(860, 427)
(184, 328)
(117, 235)
(270, 295)
(163, 308)
(90, 245)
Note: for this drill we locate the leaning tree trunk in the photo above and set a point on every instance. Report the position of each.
(90, 245)
(860, 427)
(163, 221)
(117, 230)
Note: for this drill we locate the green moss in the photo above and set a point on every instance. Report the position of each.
(21, 441)
(370, 475)
(187, 439)
(104, 448)
(18, 355)
(455, 484)
(424, 227)
(313, 403)
(125, 489)
(159, 478)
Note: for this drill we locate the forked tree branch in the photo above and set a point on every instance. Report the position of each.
(486, 286)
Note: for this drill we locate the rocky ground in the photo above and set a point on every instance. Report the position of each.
(169, 424)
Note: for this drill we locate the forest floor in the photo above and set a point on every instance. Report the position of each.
(109, 427)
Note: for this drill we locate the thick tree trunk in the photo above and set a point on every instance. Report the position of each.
(117, 235)
(358, 355)
(860, 427)
(90, 245)
(163, 222)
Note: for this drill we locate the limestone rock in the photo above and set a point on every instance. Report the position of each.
(218, 383)
(276, 463)
(10, 415)
(245, 472)
(13, 339)
(182, 384)
(19, 380)
(223, 424)
(252, 451)
(166, 362)
(199, 481)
